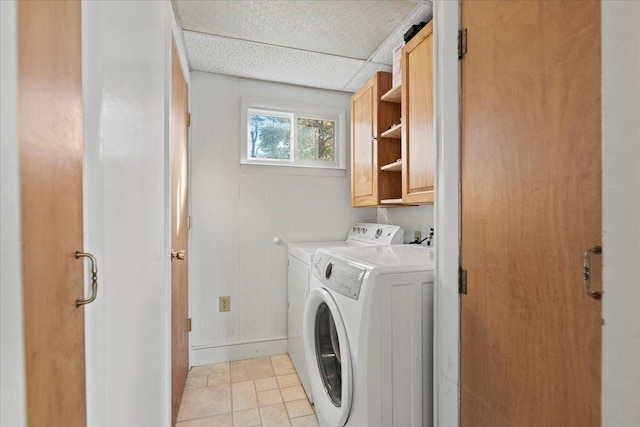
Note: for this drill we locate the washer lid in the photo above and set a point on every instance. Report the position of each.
(328, 358)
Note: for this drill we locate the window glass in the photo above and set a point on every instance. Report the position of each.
(269, 136)
(280, 133)
(315, 139)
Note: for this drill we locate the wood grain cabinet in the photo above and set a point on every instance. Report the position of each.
(373, 180)
(417, 118)
(392, 159)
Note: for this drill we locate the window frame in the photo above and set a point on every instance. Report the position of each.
(296, 111)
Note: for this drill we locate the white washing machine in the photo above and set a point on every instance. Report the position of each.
(299, 273)
(368, 336)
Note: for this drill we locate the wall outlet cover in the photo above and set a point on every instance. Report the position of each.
(225, 303)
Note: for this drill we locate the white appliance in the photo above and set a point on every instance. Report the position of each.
(299, 273)
(368, 336)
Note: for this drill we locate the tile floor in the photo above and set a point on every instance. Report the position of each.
(256, 392)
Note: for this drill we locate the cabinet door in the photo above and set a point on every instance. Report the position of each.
(417, 113)
(364, 157)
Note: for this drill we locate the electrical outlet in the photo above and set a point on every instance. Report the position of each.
(225, 304)
(417, 235)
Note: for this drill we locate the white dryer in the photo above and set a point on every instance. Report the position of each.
(368, 334)
(299, 273)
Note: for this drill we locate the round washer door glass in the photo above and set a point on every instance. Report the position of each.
(328, 351)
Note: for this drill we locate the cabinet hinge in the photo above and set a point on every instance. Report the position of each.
(462, 43)
(189, 324)
(462, 281)
(188, 119)
(189, 222)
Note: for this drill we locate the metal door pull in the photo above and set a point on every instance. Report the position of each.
(586, 272)
(94, 278)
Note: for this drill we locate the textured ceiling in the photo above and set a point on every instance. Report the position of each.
(327, 44)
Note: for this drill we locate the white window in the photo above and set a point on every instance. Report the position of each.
(278, 133)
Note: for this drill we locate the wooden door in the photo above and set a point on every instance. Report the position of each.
(179, 233)
(50, 156)
(364, 154)
(417, 113)
(531, 207)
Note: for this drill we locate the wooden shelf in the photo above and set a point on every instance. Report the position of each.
(393, 167)
(395, 132)
(393, 95)
(391, 202)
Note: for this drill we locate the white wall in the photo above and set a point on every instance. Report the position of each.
(125, 83)
(621, 215)
(238, 210)
(12, 391)
(410, 218)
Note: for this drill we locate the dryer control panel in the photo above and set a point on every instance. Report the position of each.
(376, 234)
(339, 275)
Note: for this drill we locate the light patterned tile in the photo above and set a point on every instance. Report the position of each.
(244, 395)
(204, 402)
(216, 368)
(263, 384)
(282, 364)
(308, 421)
(299, 408)
(219, 378)
(251, 369)
(247, 418)
(195, 382)
(223, 420)
(295, 392)
(274, 416)
(269, 397)
(288, 380)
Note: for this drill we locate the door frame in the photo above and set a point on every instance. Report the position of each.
(446, 378)
(13, 396)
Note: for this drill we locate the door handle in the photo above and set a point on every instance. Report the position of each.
(586, 272)
(94, 278)
(177, 254)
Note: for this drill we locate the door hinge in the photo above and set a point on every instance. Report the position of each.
(462, 281)
(189, 222)
(462, 43)
(188, 119)
(189, 324)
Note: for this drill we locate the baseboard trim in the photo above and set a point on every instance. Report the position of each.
(205, 355)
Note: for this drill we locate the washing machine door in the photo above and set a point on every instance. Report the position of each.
(328, 358)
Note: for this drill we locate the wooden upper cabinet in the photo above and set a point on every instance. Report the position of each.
(417, 113)
(370, 117)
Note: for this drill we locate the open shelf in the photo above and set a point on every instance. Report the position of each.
(393, 95)
(391, 202)
(393, 167)
(395, 132)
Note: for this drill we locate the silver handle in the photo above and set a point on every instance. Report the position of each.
(94, 278)
(586, 272)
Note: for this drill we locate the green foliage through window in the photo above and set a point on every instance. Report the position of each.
(270, 137)
(316, 139)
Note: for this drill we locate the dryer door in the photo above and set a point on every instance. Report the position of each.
(328, 358)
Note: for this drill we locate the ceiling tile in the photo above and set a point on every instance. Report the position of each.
(265, 62)
(360, 78)
(384, 54)
(352, 29)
